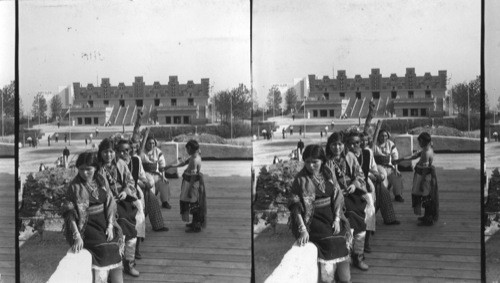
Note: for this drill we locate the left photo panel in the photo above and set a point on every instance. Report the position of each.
(7, 142)
(136, 138)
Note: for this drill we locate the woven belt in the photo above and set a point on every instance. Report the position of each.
(322, 202)
(95, 209)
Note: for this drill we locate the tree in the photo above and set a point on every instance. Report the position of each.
(55, 106)
(290, 99)
(39, 107)
(9, 100)
(238, 100)
(274, 99)
(465, 94)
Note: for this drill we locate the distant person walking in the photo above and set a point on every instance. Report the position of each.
(283, 133)
(48, 140)
(300, 131)
(291, 130)
(96, 132)
(293, 117)
(65, 138)
(57, 137)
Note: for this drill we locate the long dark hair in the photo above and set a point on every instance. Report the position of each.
(335, 137)
(315, 151)
(90, 159)
(105, 144)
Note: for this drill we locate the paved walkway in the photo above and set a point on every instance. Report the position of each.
(222, 251)
(7, 223)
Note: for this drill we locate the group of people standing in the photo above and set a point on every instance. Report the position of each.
(336, 195)
(114, 191)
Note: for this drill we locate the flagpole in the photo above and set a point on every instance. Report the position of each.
(304, 117)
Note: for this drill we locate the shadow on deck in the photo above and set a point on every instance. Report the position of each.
(220, 253)
(449, 251)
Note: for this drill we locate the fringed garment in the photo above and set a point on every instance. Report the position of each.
(120, 179)
(92, 208)
(196, 202)
(425, 191)
(320, 203)
(348, 172)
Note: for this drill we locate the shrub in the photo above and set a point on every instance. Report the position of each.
(274, 185)
(44, 192)
(240, 129)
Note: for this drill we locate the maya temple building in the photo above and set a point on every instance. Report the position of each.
(406, 96)
(171, 104)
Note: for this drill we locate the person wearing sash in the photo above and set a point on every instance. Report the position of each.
(122, 186)
(90, 222)
(351, 180)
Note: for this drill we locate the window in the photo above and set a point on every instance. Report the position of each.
(323, 113)
(190, 102)
(157, 102)
(315, 113)
(410, 94)
(79, 120)
(342, 94)
(186, 119)
(423, 112)
(326, 95)
(122, 103)
(173, 102)
(96, 120)
(91, 103)
(414, 112)
(358, 95)
(376, 95)
(139, 102)
(168, 120)
(428, 94)
(106, 102)
(332, 113)
(405, 112)
(394, 94)
(177, 119)
(88, 121)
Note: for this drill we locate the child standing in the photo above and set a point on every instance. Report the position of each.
(192, 199)
(425, 190)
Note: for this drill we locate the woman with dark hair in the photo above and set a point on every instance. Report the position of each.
(316, 215)
(122, 187)
(425, 189)
(385, 152)
(154, 164)
(89, 221)
(351, 180)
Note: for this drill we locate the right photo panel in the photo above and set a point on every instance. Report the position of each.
(492, 147)
(367, 162)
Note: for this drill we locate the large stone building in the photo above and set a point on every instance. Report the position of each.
(171, 103)
(407, 96)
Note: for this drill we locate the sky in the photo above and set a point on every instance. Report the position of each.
(491, 51)
(292, 39)
(7, 40)
(62, 42)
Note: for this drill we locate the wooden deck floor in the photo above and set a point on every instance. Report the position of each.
(449, 251)
(220, 253)
(7, 224)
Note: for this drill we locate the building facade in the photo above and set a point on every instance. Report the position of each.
(407, 96)
(172, 103)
